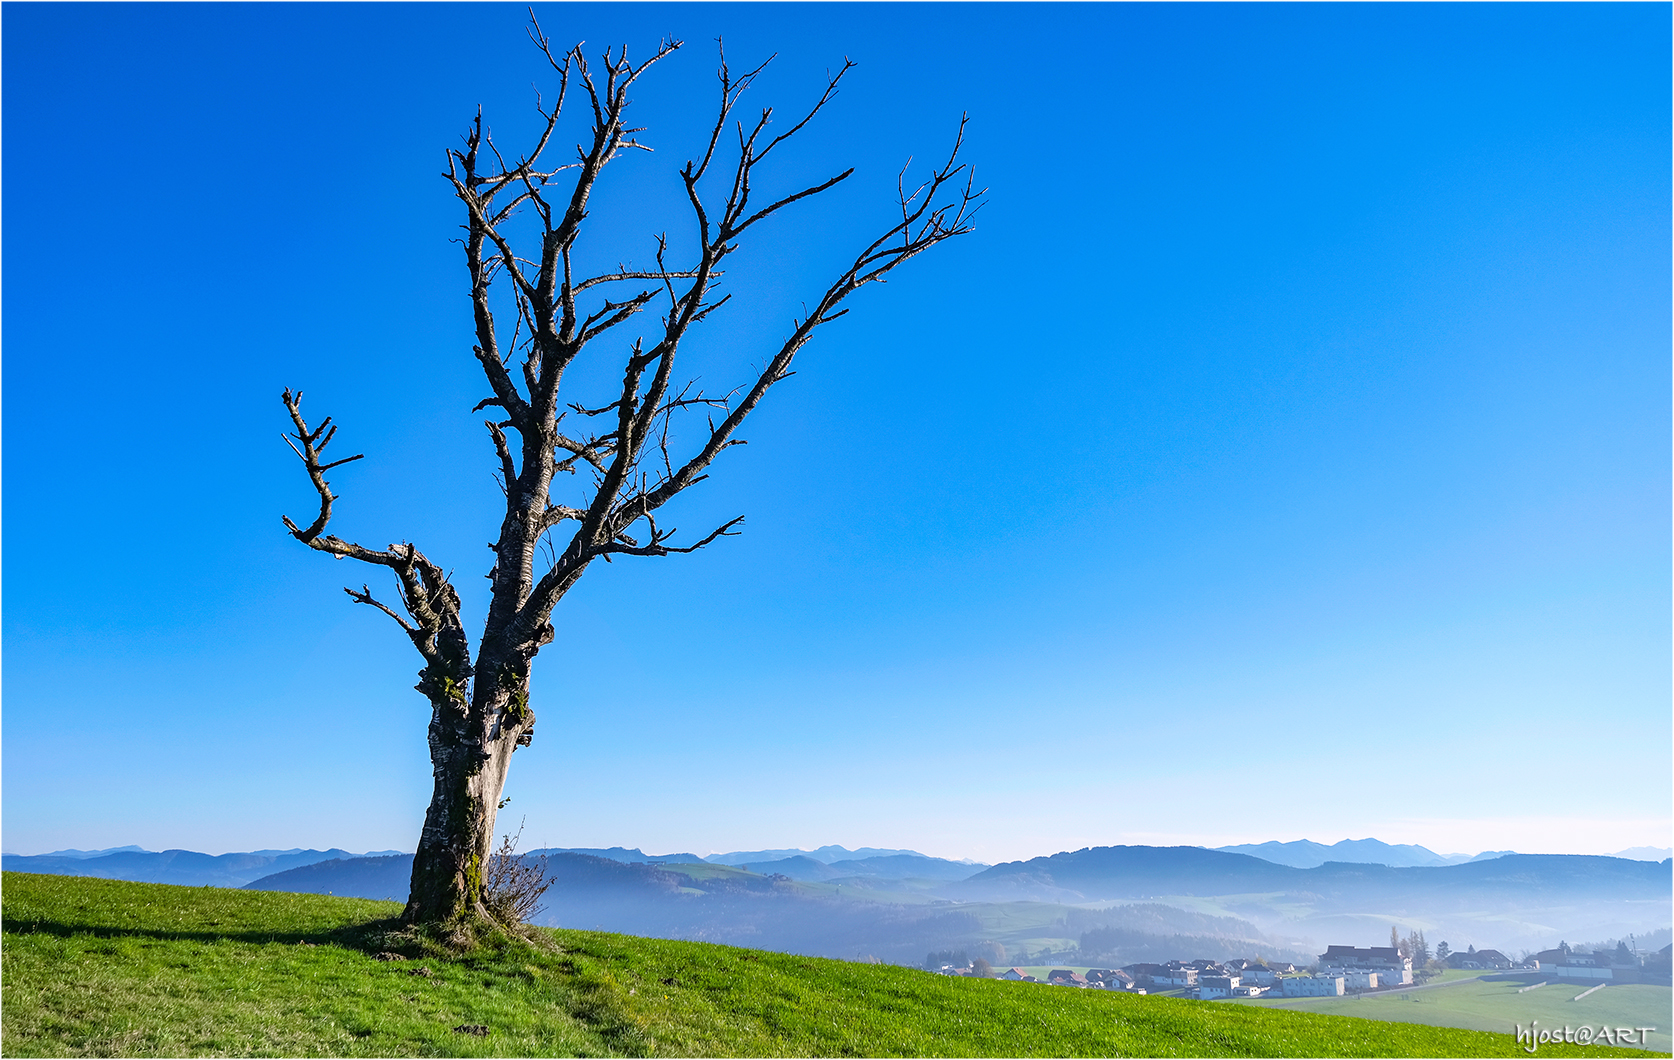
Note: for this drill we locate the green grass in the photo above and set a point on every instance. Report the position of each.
(107, 968)
(1456, 975)
(1497, 1006)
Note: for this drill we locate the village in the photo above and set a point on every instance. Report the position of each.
(1340, 971)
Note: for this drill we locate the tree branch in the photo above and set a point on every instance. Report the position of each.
(426, 593)
(313, 443)
(365, 597)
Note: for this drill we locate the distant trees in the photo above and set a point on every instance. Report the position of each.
(1442, 950)
(628, 451)
(982, 969)
(1423, 968)
(1417, 948)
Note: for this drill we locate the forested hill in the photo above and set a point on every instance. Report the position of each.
(572, 877)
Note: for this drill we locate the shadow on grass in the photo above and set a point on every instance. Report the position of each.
(371, 937)
(470, 945)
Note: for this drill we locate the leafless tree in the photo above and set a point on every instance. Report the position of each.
(622, 454)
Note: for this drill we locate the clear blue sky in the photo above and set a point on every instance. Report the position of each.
(1287, 454)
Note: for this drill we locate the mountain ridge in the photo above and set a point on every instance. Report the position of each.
(1129, 872)
(824, 863)
(182, 867)
(1306, 854)
(826, 854)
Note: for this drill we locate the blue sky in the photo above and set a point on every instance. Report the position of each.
(1286, 455)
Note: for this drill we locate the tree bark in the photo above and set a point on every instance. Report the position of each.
(458, 838)
(471, 747)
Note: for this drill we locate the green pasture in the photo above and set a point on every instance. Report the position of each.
(1476, 1004)
(110, 968)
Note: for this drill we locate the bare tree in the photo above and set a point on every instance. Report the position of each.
(627, 463)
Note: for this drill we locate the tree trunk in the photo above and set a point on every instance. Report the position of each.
(470, 753)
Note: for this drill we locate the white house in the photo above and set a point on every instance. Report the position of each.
(1313, 986)
(1210, 987)
(1392, 969)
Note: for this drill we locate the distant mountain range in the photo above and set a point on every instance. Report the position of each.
(82, 854)
(387, 877)
(696, 900)
(184, 867)
(826, 854)
(823, 864)
(826, 863)
(1306, 854)
(1138, 901)
(886, 867)
(627, 855)
(1099, 874)
(1646, 853)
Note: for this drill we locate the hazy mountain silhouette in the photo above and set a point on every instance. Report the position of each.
(749, 909)
(1646, 853)
(184, 867)
(826, 854)
(891, 867)
(1103, 873)
(626, 855)
(1306, 854)
(387, 877)
(91, 853)
(791, 904)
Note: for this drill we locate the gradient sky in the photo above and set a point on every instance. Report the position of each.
(1286, 455)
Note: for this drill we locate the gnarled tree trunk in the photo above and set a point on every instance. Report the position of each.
(480, 710)
(470, 761)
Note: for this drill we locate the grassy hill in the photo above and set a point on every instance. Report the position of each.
(101, 967)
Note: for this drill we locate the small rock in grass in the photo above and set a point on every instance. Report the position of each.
(426, 972)
(388, 956)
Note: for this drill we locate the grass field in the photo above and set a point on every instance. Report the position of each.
(1497, 1006)
(108, 968)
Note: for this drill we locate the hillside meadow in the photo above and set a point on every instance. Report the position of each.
(108, 968)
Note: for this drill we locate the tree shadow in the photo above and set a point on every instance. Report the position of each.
(388, 935)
